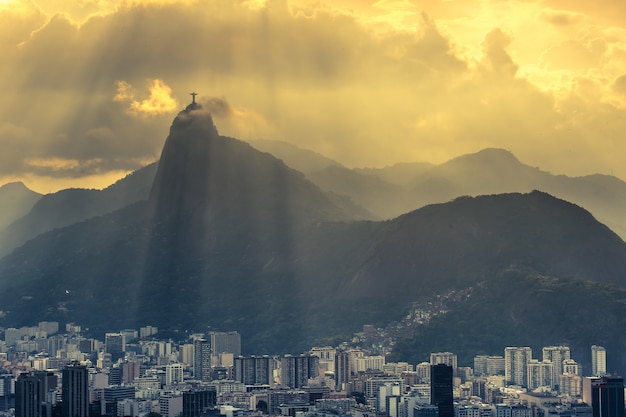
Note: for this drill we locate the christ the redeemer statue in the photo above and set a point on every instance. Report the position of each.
(193, 97)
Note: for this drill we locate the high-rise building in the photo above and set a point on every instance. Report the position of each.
(441, 389)
(556, 355)
(202, 360)
(7, 392)
(598, 360)
(173, 373)
(115, 344)
(295, 371)
(342, 370)
(539, 374)
(605, 395)
(516, 361)
(254, 370)
(225, 342)
(488, 365)
(570, 384)
(27, 401)
(74, 391)
(327, 357)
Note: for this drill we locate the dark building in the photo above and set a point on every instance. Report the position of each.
(253, 370)
(202, 360)
(115, 344)
(342, 370)
(7, 395)
(115, 375)
(74, 392)
(605, 395)
(441, 389)
(33, 394)
(296, 370)
(198, 402)
(27, 401)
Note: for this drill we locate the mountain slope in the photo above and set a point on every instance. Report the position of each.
(15, 201)
(73, 205)
(453, 244)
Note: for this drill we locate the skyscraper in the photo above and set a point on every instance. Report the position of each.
(254, 370)
(605, 395)
(516, 361)
(441, 389)
(27, 401)
(598, 360)
(556, 355)
(296, 370)
(74, 391)
(202, 360)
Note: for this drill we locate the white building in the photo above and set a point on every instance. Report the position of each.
(516, 360)
(174, 373)
(598, 360)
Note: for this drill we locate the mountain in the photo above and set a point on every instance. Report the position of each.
(231, 238)
(297, 158)
(15, 201)
(74, 205)
(392, 191)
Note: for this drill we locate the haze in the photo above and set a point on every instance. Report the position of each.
(91, 87)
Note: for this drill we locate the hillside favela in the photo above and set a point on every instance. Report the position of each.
(347, 208)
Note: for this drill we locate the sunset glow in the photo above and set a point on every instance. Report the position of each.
(368, 83)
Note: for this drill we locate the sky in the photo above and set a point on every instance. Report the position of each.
(90, 87)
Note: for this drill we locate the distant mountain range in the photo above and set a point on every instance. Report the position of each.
(394, 190)
(226, 237)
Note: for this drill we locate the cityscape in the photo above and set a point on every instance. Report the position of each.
(50, 372)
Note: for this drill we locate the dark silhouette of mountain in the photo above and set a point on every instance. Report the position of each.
(73, 205)
(15, 200)
(391, 191)
(232, 239)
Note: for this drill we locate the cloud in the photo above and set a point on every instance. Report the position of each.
(236, 121)
(562, 17)
(94, 89)
(160, 100)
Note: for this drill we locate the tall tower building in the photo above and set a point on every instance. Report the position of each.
(557, 355)
(516, 360)
(27, 401)
(539, 374)
(605, 395)
(342, 370)
(74, 391)
(115, 344)
(202, 360)
(598, 360)
(441, 389)
(254, 370)
(295, 371)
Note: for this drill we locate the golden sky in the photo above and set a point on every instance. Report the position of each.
(90, 87)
